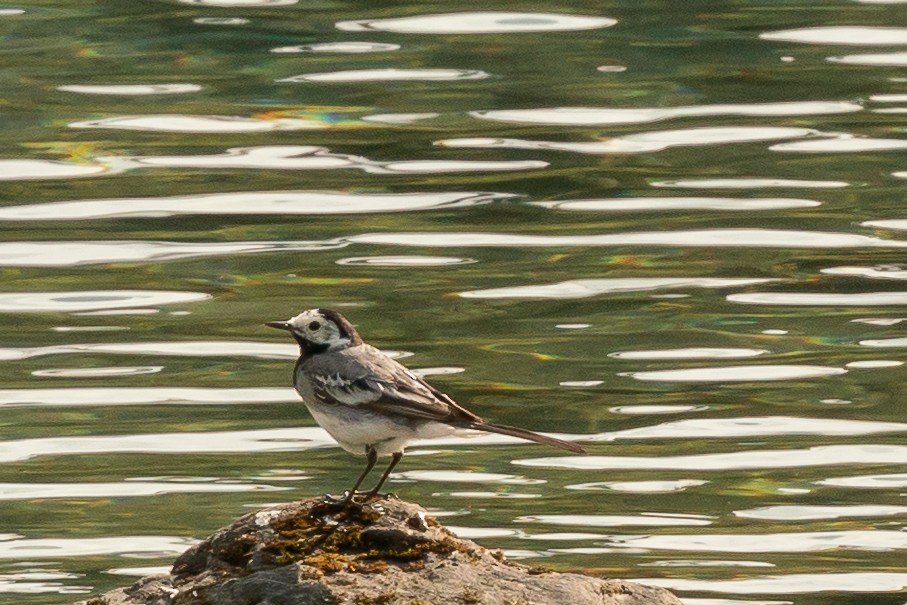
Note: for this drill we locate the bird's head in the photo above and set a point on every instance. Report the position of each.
(319, 330)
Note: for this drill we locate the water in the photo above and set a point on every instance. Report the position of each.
(676, 238)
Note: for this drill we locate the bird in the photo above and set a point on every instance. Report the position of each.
(370, 403)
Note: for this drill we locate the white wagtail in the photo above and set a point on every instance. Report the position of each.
(368, 402)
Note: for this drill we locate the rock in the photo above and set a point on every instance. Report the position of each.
(384, 552)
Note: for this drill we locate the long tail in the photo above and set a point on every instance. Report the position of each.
(528, 435)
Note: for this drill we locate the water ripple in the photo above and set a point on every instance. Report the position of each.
(202, 123)
(896, 272)
(826, 455)
(30, 491)
(893, 481)
(738, 373)
(25, 170)
(749, 183)
(852, 299)
(249, 203)
(391, 75)
(653, 204)
(266, 440)
(145, 396)
(130, 89)
(23, 549)
(86, 300)
(849, 35)
(485, 22)
(804, 512)
(893, 59)
(107, 372)
(69, 254)
(584, 288)
(645, 142)
(689, 353)
(856, 582)
(754, 426)
(640, 487)
(848, 144)
(794, 542)
(642, 520)
(768, 238)
(338, 47)
(592, 116)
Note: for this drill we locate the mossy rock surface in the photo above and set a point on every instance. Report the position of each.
(385, 552)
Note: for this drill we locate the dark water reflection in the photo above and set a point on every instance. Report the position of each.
(674, 236)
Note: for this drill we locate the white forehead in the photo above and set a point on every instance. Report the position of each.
(306, 317)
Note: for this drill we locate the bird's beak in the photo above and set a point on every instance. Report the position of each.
(280, 325)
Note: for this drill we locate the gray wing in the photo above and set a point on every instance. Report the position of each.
(366, 378)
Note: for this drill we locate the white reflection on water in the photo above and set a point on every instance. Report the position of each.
(893, 59)
(884, 342)
(642, 520)
(265, 440)
(405, 261)
(448, 476)
(897, 272)
(398, 118)
(690, 353)
(311, 157)
(749, 183)
(484, 22)
(39, 581)
(640, 487)
(859, 582)
(105, 396)
(754, 426)
(201, 123)
(825, 455)
(893, 481)
(248, 203)
(74, 253)
(874, 363)
(738, 373)
(338, 47)
(130, 89)
(53, 548)
(768, 238)
(598, 116)
(644, 410)
(896, 224)
(804, 512)
(849, 35)
(847, 144)
(106, 372)
(854, 299)
(391, 75)
(139, 572)
(29, 491)
(645, 142)
(36, 302)
(221, 21)
(654, 204)
(799, 542)
(584, 288)
(24, 170)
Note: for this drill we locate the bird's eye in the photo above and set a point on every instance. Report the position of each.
(314, 326)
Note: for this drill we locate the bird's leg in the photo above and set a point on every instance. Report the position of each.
(395, 458)
(371, 456)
